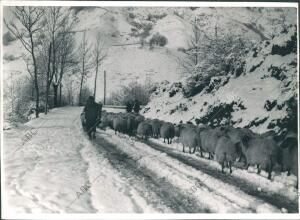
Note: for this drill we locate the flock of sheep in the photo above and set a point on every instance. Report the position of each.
(225, 144)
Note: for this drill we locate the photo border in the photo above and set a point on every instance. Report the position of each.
(4, 3)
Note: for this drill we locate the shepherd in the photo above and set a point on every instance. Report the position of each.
(129, 106)
(136, 107)
(92, 112)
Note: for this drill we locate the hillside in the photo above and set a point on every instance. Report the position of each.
(127, 61)
(260, 99)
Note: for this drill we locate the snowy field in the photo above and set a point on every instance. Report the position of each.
(57, 169)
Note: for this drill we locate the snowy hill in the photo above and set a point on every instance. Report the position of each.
(128, 63)
(118, 24)
(259, 99)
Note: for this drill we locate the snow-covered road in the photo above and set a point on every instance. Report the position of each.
(50, 166)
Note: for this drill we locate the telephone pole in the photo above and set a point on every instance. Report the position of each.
(104, 88)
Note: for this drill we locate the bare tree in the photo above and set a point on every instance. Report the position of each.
(70, 85)
(66, 60)
(26, 30)
(84, 62)
(59, 29)
(98, 56)
(191, 61)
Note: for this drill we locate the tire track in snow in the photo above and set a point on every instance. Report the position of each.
(274, 199)
(76, 138)
(164, 192)
(238, 201)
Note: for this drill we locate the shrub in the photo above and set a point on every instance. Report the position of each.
(175, 88)
(208, 58)
(217, 115)
(8, 38)
(130, 92)
(131, 15)
(20, 99)
(289, 47)
(77, 9)
(195, 85)
(159, 40)
(146, 30)
(114, 34)
(155, 17)
(9, 57)
(181, 49)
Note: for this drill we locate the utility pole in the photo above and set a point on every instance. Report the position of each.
(12, 91)
(104, 87)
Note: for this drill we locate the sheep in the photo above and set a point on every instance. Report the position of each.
(131, 125)
(261, 151)
(119, 124)
(290, 154)
(139, 118)
(178, 128)
(226, 152)
(144, 130)
(83, 121)
(238, 136)
(189, 137)
(209, 138)
(167, 131)
(110, 118)
(104, 121)
(290, 160)
(156, 125)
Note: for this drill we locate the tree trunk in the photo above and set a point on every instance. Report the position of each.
(82, 77)
(37, 100)
(60, 86)
(32, 90)
(55, 87)
(95, 85)
(80, 91)
(47, 97)
(48, 76)
(53, 73)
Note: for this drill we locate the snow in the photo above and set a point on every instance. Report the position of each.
(281, 183)
(215, 201)
(46, 174)
(50, 166)
(154, 65)
(58, 170)
(252, 89)
(175, 30)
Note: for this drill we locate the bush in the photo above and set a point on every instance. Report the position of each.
(131, 15)
(181, 49)
(77, 9)
(130, 92)
(159, 40)
(155, 17)
(211, 58)
(9, 57)
(146, 30)
(20, 99)
(218, 115)
(290, 47)
(195, 85)
(8, 38)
